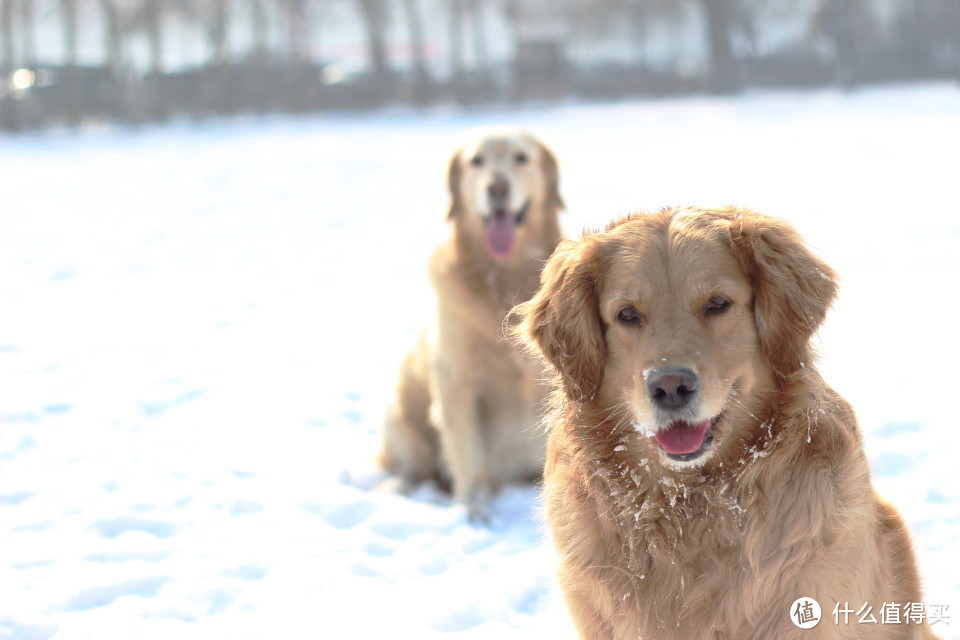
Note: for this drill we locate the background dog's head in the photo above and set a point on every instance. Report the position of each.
(504, 190)
(678, 321)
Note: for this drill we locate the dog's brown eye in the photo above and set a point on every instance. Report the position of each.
(477, 161)
(628, 315)
(521, 158)
(717, 304)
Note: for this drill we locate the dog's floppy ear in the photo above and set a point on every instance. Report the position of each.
(551, 175)
(453, 184)
(562, 321)
(792, 287)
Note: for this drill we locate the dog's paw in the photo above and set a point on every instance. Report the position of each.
(478, 513)
(477, 501)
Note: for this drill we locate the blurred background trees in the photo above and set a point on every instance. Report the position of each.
(74, 61)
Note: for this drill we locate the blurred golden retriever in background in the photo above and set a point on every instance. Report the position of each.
(466, 406)
(700, 475)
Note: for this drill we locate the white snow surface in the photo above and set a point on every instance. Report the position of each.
(199, 326)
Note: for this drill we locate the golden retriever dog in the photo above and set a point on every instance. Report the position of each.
(466, 405)
(701, 477)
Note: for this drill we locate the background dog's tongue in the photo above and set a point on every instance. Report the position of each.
(682, 437)
(500, 234)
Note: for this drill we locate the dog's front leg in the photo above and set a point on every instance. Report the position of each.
(464, 445)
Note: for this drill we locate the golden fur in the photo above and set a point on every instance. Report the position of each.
(466, 403)
(779, 506)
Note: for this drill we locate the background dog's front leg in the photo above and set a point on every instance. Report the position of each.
(464, 445)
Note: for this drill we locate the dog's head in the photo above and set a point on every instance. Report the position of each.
(503, 190)
(678, 321)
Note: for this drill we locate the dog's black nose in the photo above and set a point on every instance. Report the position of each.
(499, 188)
(672, 388)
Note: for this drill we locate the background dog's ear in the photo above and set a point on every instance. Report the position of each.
(562, 321)
(551, 174)
(453, 184)
(792, 287)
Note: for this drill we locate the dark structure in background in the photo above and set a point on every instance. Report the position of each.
(847, 45)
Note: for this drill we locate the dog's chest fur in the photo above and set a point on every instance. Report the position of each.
(667, 526)
(680, 547)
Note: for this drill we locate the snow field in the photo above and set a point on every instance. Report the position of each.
(200, 327)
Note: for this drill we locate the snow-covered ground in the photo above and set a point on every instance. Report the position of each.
(199, 326)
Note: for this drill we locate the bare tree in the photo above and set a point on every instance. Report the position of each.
(28, 33)
(218, 30)
(481, 61)
(113, 35)
(296, 15)
(929, 34)
(643, 16)
(640, 16)
(600, 18)
(374, 17)
(719, 15)
(851, 29)
(9, 109)
(418, 52)
(68, 14)
(151, 14)
(9, 61)
(455, 8)
(259, 23)
(512, 13)
(213, 17)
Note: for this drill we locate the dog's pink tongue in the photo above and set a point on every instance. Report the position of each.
(682, 437)
(500, 234)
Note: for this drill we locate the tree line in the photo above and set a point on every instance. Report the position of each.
(278, 68)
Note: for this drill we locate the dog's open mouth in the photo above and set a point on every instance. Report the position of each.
(684, 441)
(501, 228)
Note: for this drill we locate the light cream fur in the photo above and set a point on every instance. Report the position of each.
(780, 507)
(466, 408)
